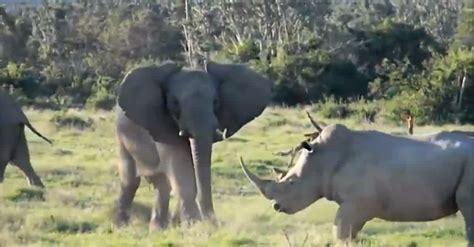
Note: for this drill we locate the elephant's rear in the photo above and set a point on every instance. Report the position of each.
(9, 135)
(137, 143)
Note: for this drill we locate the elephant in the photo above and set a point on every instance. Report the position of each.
(168, 118)
(13, 144)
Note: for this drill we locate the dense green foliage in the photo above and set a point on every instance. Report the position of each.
(402, 54)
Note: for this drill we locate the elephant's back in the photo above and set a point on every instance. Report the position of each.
(10, 111)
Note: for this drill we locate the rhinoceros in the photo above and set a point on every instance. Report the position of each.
(371, 174)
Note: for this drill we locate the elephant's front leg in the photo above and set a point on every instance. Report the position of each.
(160, 212)
(181, 176)
(350, 219)
(129, 183)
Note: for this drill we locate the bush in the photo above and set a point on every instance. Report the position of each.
(72, 120)
(103, 94)
(243, 52)
(19, 80)
(332, 108)
(364, 110)
(393, 110)
(307, 77)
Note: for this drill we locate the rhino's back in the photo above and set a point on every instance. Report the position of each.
(406, 179)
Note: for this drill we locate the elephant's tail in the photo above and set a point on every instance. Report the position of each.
(38, 134)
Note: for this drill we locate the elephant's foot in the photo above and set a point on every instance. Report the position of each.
(188, 219)
(157, 225)
(211, 219)
(121, 219)
(158, 222)
(36, 182)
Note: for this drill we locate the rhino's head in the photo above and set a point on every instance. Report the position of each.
(303, 184)
(291, 191)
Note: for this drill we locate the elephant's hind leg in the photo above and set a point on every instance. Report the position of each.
(129, 183)
(465, 202)
(21, 159)
(3, 166)
(8, 140)
(160, 213)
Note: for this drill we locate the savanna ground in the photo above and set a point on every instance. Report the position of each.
(82, 185)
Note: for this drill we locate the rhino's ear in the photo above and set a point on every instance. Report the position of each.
(279, 173)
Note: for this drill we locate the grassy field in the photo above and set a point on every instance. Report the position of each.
(82, 185)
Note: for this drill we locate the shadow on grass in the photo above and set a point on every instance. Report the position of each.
(27, 194)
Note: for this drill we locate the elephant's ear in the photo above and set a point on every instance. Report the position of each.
(244, 94)
(10, 111)
(141, 96)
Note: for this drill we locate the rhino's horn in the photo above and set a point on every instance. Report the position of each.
(261, 184)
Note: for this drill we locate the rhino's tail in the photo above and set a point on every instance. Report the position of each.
(38, 134)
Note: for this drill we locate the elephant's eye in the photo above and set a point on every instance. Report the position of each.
(174, 108)
(216, 104)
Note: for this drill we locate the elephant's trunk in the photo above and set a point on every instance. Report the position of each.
(201, 149)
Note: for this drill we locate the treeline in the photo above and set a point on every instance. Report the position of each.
(365, 58)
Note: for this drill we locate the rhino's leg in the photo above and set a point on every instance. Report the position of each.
(21, 159)
(129, 183)
(160, 212)
(465, 202)
(350, 219)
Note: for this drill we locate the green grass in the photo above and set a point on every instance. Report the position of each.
(82, 185)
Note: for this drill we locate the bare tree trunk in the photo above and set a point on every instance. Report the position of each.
(188, 33)
(268, 26)
(463, 81)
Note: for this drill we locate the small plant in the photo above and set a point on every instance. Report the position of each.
(103, 94)
(72, 120)
(332, 108)
(364, 111)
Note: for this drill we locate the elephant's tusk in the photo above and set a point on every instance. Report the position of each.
(183, 133)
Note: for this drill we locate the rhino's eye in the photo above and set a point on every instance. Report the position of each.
(306, 146)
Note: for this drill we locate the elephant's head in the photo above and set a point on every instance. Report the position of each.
(174, 103)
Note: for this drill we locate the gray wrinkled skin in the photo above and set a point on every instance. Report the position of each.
(13, 144)
(370, 174)
(167, 121)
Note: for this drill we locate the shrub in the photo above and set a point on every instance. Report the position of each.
(243, 52)
(393, 110)
(331, 108)
(103, 94)
(364, 110)
(72, 120)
